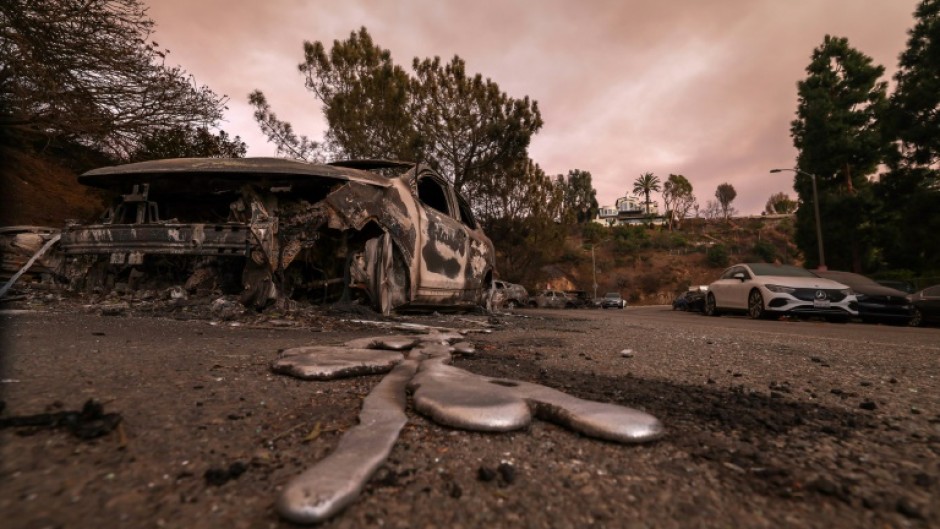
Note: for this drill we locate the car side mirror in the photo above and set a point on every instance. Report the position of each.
(739, 275)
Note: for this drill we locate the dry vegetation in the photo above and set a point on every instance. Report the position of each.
(39, 192)
(649, 266)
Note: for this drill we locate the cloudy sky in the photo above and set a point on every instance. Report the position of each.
(706, 89)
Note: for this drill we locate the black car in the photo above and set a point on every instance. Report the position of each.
(903, 286)
(926, 306)
(692, 300)
(876, 303)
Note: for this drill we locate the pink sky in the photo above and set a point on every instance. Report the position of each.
(706, 89)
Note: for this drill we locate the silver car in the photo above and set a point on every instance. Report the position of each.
(762, 290)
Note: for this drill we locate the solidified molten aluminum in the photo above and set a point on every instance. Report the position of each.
(327, 487)
(327, 363)
(447, 395)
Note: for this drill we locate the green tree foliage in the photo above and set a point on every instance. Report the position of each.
(839, 139)
(779, 204)
(282, 134)
(467, 125)
(461, 124)
(644, 185)
(677, 198)
(725, 193)
(86, 72)
(914, 117)
(907, 235)
(717, 255)
(579, 199)
(188, 142)
(520, 213)
(367, 99)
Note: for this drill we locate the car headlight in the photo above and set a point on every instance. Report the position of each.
(780, 289)
(849, 292)
(859, 297)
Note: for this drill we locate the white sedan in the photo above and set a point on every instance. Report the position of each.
(762, 289)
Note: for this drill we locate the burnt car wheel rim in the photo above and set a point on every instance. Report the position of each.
(917, 318)
(755, 305)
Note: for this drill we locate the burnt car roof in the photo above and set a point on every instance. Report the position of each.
(235, 169)
(370, 164)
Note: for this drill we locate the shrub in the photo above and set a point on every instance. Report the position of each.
(765, 251)
(717, 255)
(593, 232)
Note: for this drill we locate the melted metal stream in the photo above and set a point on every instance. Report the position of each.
(448, 395)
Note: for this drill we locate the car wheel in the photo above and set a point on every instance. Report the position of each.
(755, 305)
(391, 277)
(917, 319)
(711, 307)
(512, 304)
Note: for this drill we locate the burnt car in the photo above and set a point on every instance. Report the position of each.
(278, 228)
(510, 294)
(578, 299)
(876, 303)
(926, 306)
(550, 299)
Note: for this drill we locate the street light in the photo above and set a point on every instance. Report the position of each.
(819, 239)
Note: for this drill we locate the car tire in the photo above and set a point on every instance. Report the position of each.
(511, 304)
(711, 307)
(391, 277)
(755, 305)
(917, 319)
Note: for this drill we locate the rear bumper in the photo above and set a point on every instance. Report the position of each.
(224, 239)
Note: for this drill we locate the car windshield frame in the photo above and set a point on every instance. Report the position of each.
(768, 269)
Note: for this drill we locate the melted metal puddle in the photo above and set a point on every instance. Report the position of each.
(447, 395)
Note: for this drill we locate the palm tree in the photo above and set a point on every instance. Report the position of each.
(645, 184)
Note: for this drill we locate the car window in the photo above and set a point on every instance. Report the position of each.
(466, 214)
(728, 273)
(433, 195)
(767, 269)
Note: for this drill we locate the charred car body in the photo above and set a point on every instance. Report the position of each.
(272, 228)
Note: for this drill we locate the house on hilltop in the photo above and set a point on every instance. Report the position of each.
(629, 211)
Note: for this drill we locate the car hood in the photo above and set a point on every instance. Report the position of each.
(801, 282)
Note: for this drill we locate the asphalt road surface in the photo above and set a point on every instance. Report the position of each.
(769, 423)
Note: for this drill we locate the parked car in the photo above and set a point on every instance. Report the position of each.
(692, 299)
(550, 299)
(903, 286)
(513, 294)
(876, 303)
(926, 306)
(285, 227)
(612, 300)
(578, 299)
(762, 289)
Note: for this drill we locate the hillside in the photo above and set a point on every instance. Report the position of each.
(651, 266)
(36, 191)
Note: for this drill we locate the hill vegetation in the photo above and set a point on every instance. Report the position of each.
(649, 266)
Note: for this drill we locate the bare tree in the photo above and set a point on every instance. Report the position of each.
(87, 71)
